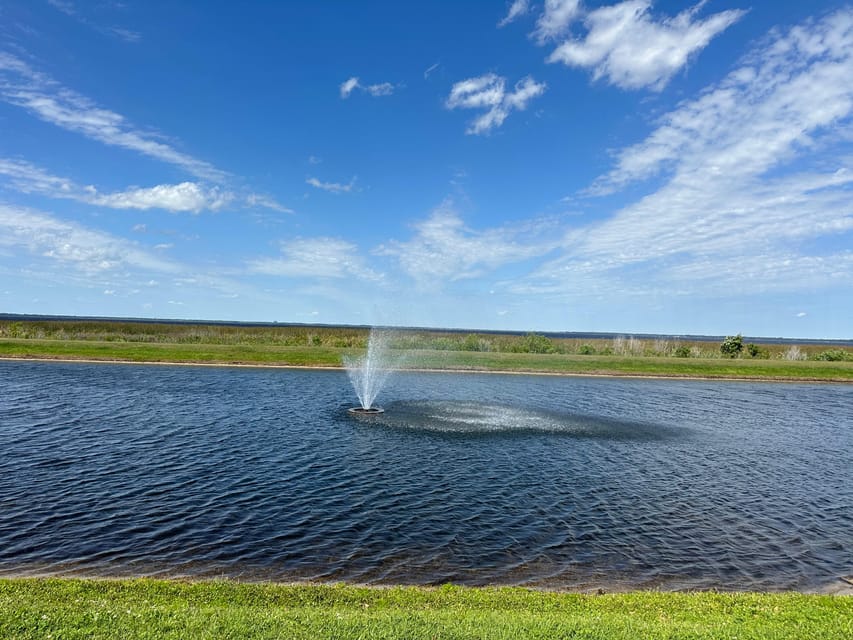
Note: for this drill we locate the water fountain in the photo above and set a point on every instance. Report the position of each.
(369, 372)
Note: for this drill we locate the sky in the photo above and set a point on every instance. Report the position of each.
(629, 167)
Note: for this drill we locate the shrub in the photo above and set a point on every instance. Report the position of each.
(660, 348)
(683, 352)
(834, 355)
(732, 346)
(535, 343)
(755, 351)
(586, 350)
(17, 330)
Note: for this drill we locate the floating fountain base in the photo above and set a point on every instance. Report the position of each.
(361, 411)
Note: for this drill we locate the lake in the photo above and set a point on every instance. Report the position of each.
(555, 482)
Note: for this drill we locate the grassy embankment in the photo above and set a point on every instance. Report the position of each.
(324, 347)
(63, 608)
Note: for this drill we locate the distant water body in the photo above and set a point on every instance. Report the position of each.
(575, 335)
(260, 474)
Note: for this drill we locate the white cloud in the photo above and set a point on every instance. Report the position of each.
(627, 47)
(483, 91)
(316, 258)
(489, 92)
(64, 6)
(28, 178)
(186, 196)
(430, 69)
(334, 187)
(380, 89)
(516, 9)
(556, 18)
(444, 249)
(36, 92)
(85, 249)
(126, 34)
(260, 200)
(348, 86)
(740, 202)
(764, 112)
(42, 96)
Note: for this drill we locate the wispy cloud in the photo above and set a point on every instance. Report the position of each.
(742, 199)
(126, 34)
(260, 200)
(26, 177)
(64, 6)
(381, 89)
(428, 71)
(72, 10)
(186, 196)
(489, 92)
(556, 17)
(316, 258)
(625, 45)
(87, 250)
(333, 187)
(22, 86)
(516, 9)
(352, 84)
(764, 112)
(444, 249)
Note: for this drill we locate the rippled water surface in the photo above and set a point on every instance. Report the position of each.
(261, 474)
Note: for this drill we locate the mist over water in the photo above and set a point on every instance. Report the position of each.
(577, 483)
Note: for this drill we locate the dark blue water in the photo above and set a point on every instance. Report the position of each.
(261, 474)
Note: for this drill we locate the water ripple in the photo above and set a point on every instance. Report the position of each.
(553, 482)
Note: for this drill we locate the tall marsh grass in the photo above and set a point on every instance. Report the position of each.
(404, 339)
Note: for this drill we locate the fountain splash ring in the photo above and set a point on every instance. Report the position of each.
(364, 411)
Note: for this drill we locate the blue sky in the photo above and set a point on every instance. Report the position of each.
(631, 166)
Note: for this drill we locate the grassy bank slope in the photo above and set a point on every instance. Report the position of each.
(169, 352)
(324, 356)
(164, 609)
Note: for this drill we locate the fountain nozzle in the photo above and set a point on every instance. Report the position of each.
(364, 411)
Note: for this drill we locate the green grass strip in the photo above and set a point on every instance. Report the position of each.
(323, 356)
(171, 352)
(75, 608)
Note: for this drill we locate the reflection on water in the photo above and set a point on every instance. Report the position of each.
(475, 479)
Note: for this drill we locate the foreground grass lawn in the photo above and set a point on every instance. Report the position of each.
(71, 608)
(321, 356)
